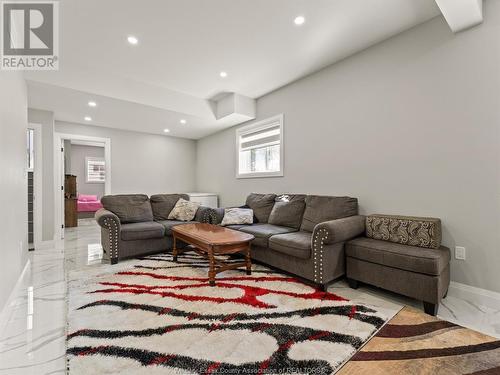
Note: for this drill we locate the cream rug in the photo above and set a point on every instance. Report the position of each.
(152, 316)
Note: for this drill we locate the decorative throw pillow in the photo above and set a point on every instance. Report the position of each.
(184, 210)
(255, 220)
(237, 216)
(406, 230)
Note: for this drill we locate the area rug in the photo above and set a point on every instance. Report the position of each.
(416, 343)
(152, 316)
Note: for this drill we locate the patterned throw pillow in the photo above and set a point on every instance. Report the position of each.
(183, 210)
(406, 230)
(237, 216)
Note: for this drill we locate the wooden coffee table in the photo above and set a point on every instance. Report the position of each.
(210, 240)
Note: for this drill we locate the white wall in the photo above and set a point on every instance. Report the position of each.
(410, 126)
(13, 181)
(79, 153)
(46, 119)
(144, 163)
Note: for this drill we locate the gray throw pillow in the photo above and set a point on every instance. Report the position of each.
(262, 205)
(324, 208)
(288, 211)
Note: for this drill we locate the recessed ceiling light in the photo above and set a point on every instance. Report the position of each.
(166, 130)
(87, 118)
(223, 74)
(92, 104)
(133, 40)
(299, 20)
(183, 121)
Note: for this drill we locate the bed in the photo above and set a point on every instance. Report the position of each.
(87, 205)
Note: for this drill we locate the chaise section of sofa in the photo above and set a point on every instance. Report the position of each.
(402, 254)
(301, 234)
(135, 224)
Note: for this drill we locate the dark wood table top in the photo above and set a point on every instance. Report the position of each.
(212, 234)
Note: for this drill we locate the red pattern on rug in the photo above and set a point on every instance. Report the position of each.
(249, 297)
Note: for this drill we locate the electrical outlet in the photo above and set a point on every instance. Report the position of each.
(460, 252)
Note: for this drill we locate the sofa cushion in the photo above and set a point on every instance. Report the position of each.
(409, 258)
(297, 244)
(237, 226)
(163, 204)
(184, 210)
(288, 210)
(142, 231)
(261, 204)
(324, 208)
(262, 232)
(130, 208)
(169, 224)
(406, 230)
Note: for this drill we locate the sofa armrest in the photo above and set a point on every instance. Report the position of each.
(110, 234)
(106, 218)
(340, 230)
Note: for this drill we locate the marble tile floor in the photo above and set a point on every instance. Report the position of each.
(32, 338)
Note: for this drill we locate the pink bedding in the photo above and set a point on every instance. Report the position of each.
(88, 206)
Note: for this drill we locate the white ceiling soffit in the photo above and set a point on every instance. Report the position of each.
(183, 45)
(72, 106)
(461, 14)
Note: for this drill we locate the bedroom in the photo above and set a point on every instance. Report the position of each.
(85, 176)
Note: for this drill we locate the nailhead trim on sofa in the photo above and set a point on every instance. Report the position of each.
(113, 237)
(319, 237)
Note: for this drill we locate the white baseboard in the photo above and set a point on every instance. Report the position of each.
(479, 296)
(5, 313)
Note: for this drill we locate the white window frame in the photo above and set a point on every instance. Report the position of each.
(260, 125)
(90, 158)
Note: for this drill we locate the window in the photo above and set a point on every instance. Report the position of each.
(95, 170)
(259, 149)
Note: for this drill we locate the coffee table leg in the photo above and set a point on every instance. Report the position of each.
(248, 260)
(174, 248)
(211, 271)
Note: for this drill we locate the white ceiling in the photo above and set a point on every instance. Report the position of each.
(184, 44)
(71, 106)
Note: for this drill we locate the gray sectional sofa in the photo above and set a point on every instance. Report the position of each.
(318, 238)
(302, 234)
(135, 224)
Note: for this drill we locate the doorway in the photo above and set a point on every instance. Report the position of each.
(83, 174)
